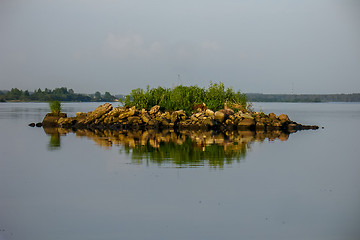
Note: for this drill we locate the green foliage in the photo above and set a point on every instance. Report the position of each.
(55, 107)
(215, 96)
(185, 97)
(58, 94)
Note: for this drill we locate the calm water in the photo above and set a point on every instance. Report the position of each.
(85, 185)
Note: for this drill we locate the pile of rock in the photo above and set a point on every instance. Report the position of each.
(108, 117)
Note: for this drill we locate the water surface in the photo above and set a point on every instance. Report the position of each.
(73, 185)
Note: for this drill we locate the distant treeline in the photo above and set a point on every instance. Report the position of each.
(59, 94)
(64, 94)
(259, 97)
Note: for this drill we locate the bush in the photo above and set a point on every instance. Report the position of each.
(55, 107)
(184, 98)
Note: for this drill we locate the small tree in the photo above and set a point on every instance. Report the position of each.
(55, 107)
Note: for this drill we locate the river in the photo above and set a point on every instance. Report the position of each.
(64, 185)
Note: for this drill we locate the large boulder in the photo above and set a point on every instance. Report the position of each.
(246, 123)
(284, 118)
(219, 116)
(272, 116)
(223, 114)
(98, 113)
(51, 119)
(176, 116)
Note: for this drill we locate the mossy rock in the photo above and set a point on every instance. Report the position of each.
(51, 119)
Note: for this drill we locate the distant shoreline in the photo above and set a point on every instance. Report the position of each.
(260, 97)
(68, 95)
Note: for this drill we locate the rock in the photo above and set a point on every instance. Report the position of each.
(107, 117)
(181, 114)
(127, 113)
(246, 123)
(260, 126)
(272, 116)
(153, 123)
(165, 122)
(51, 119)
(244, 115)
(154, 109)
(145, 117)
(98, 112)
(32, 124)
(219, 116)
(208, 122)
(67, 122)
(306, 127)
(284, 118)
(229, 122)
(276, 123)
(134, 120)
(39, 124)
(116, 111)
(80, 114)
(174, 117)
(227, 111)
(194, 118)
(209, 113)
(292, 127)
(166, 115)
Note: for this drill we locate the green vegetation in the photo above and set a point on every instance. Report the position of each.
(55, 107)
(58, 94)
(184, 98)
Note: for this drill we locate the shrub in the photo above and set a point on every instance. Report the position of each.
(55, 107)
(184, 97)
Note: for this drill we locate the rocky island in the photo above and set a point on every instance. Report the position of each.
(180, 108)
(130, 118)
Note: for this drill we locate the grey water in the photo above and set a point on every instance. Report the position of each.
(78, 185)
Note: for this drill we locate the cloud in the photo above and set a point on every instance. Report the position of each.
(129, 46)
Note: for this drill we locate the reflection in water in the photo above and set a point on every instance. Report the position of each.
(55, 140)
(182, 149)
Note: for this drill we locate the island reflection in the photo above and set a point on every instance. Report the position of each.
(180, 149)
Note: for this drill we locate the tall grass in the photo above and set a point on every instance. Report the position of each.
(185, 97)
(55, 107)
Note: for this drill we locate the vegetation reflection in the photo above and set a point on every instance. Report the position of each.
(170, 148)
(55, 139)
(186, 154)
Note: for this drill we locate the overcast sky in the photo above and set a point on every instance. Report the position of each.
(312, 46)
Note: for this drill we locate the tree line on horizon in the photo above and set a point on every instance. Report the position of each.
(64, 94)
(58, 94)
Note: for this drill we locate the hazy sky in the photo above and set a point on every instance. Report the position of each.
(118, 45)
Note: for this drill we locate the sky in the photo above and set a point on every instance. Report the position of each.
(256, 46)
